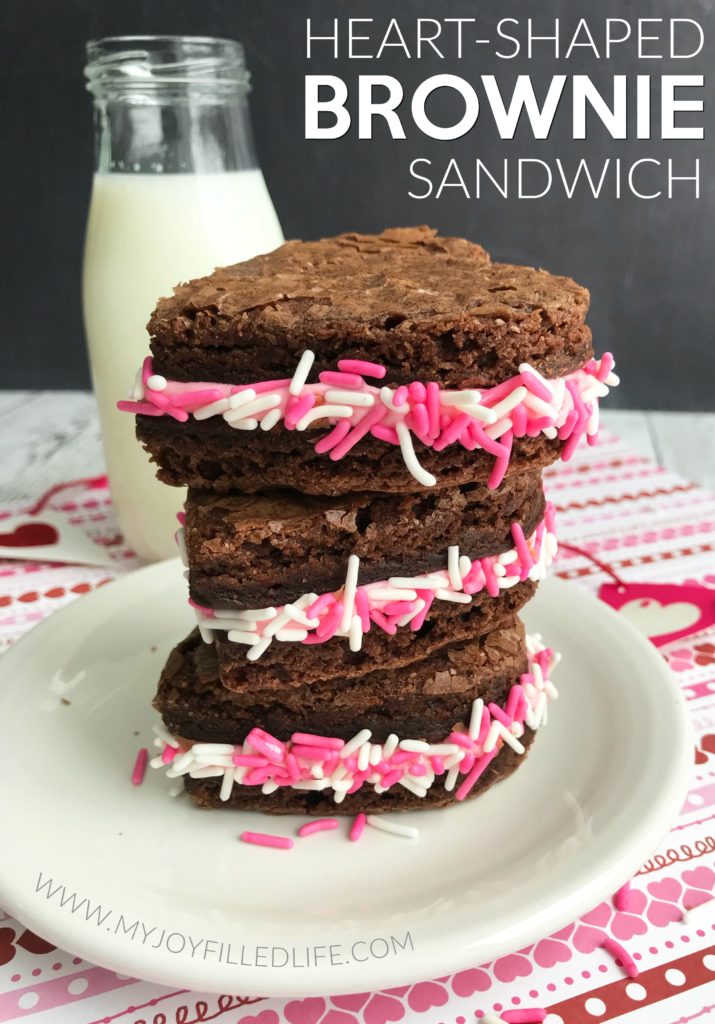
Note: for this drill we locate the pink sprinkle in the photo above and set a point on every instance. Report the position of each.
(466, 764)
(477, 771)
(168, 753)
(147, 370)
(293, 767)
(358, 827)
(140, 408)
(380, 620)
(617, 950)
(484, 727)
(484, 441)
(417, 390)
(309, 753)
(297, 408)
(519, 420)
(512, 702)
(500, 715)
(390, 778)
(622, 899)
(263, 839)
(196, 398)
(437, 764)
(371, 417)
(402, 757)
(362, 607)
(550, 517)
(432, 404)
(363, 367)
(339, 431)
(453, 431)
(200, 608)
(319, 604)
(249, 761)
(499, 391)
(525, 1016)
(330, 742)
(266, 744)
(257, 776)
(567, 427)
(262, 386)
(532, 383)
(341, 380)
(418, 769)
(607, 364)
(321, 825)
(399, 607)
(419, 419)
(177, 414)
(181, 518)
(461, 740)
(522, 548)
(387, 434)
(400, 396)
(502, 463)
(490, 577)
(331, 622)
(418, 621)
(140, 764)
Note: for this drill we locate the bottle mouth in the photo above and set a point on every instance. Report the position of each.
(147, 65)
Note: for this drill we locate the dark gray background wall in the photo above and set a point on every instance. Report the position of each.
(649, 264)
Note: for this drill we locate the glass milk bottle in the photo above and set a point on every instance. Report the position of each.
(177, 191)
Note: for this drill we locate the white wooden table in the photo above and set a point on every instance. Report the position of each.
(47, 437)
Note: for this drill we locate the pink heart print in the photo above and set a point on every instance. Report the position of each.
(305, 1011)
(466, 983)
(425, 995)
(509, 968)
(383, 1008)
(548, 953)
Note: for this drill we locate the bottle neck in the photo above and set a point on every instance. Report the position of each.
(173, 135)
(170, 105)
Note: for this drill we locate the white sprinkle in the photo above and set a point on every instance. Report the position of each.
(298, 615)
(206, 773)
(343, 397)
(271, 418)
(402, 583)
(550, 433)
(507, 404)
(375, 754)
(243, 625)
(386, 397)
(505, 582)
(409, 616)
(451, 779)
(391, 593)
(247, 424)
(475, 720)
(467, 397)
(509, 739)
(528, 368)
(252, 408)
(249, 614)
(691, 915)
(136, 392)
(390, 746)
(206, 633)
(241, 398)
(288, 635)
(215, 760)
(342, 785)
(240, 636)
(319, 412)
(415, 746)
(355, 641)
(538, 405)
(317, 771)
(363, 757)
(357, 741)
(254, 653)
(413, 786)
(408, 454)
(176, 790)
(465, 565)
(491, 738)
(282, 619)
(312, 784)
(226, 786)
(182, 761)
(212, 748)
(217, 408)
(453, 760)
(453, 567)
(157, 762)
(498, 428)
(448, 595)
(338, 797)
(378, 822)
(302, 370)
(268, 787)
(156, 382)
(443, 749)
(181, 545)
(351, 578)
(241, 772)
(613, 380)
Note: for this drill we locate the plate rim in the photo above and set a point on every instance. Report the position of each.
(430, 963)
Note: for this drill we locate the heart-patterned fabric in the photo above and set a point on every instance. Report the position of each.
(651, 527)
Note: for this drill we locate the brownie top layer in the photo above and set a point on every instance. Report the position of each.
(424, 306)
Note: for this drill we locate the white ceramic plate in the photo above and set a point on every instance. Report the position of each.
(171, 895)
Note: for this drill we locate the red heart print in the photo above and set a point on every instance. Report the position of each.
(708, 743)
(30, 535)
(7, 945)
(382, 1009)
(34, 944)
(305, 1011)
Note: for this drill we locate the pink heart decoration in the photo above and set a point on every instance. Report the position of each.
(466, 983)
(587, 939)
(425, 995)
(564, 932)
(625, 926)
(599, 916)
(694, 897)
(383, 1008)
(339, 1017)
(354, 1002)
(548, 953)
(305, 1011)
(700, 878)
(667, 889)
(264, 1017)
(661, 914)
(509, 968)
